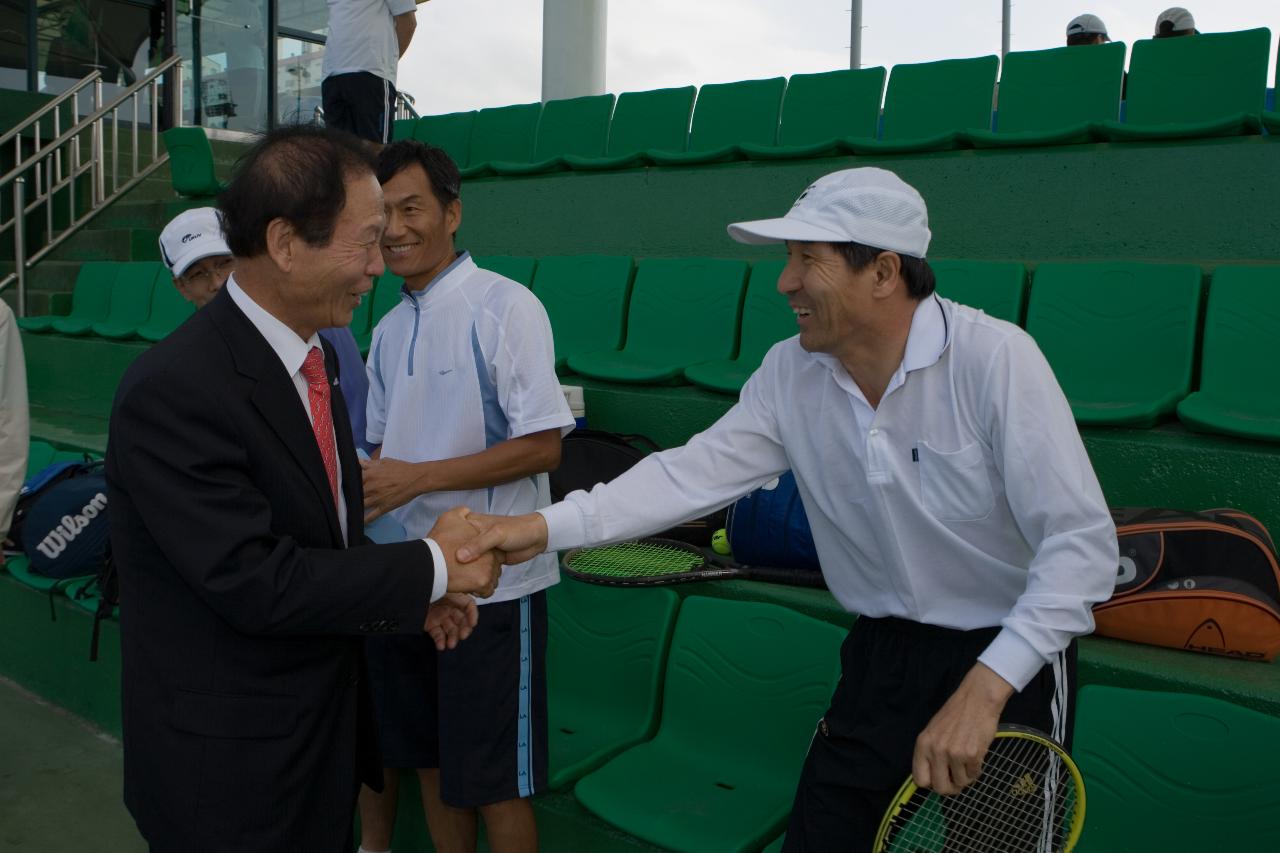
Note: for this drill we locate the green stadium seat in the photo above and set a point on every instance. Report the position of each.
(451, 131)
(820, 109)
(658, 118)
(1212, 85)
(1120, 337)
(90, 300)
(585, 297)
(571, 126)
(131, 299)
(1054, 97)
(1175, 771)
(766, 319)
(728, 115)
(1271, 118)
(745, 684)
(776, 846)
(682, 311)
(509, 266)
(191, 162)
(929, 105)
(1238, 395)
(997, 287)
(39, 456)
(169, 310)
(361, 324)
(386, 293)
(402, 128)
(606, 650)
(501, 134)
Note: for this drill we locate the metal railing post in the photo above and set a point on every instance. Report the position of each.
(99, 154)
(177, 95)
(20, 241)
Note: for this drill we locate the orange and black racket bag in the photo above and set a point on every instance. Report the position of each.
(1203, 581)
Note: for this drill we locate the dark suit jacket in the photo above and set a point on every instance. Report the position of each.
(246, 721)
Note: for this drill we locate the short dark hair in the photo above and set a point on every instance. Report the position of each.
(296, 173)
(1077, 39)
(442, 172)
(916, 272)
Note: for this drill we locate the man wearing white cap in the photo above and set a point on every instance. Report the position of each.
(194, 250)
(1086, 29)
(1175, 21)
(951, 500)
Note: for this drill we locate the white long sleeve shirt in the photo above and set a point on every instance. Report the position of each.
(964, 500)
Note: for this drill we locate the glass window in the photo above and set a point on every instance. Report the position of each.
(308, 16)
(122, 40)
(298, 77)
(224, 43)
(13, 44)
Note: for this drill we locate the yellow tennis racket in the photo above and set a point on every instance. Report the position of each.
(1028, 799)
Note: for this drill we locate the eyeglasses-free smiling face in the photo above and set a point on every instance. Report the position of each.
(831, 301)
(203, 279)
(418, 242)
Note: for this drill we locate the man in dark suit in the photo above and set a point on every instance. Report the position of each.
(236, 509)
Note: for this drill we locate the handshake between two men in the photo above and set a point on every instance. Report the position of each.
(475, 548)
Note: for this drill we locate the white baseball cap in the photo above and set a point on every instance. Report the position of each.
(870, 206)
(1178, 19)
(1086, 25)
(191, 236)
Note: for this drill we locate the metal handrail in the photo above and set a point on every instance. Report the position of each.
(52, 105)
(48, 176)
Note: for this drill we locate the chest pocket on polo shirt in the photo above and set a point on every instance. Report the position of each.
(954, 485)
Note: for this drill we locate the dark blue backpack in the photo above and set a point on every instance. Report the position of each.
(769, 528)
(61, 520)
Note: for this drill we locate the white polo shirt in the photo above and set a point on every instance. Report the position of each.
(362, 37)
(964, 500)
(455, 368)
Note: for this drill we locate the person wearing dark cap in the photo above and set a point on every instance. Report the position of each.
(1086, 29)
(1175, 21)
(952, 502)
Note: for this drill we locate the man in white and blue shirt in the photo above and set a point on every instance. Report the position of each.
(952, 504)
(467, 409)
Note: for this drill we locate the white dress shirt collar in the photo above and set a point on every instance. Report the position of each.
(291, 349)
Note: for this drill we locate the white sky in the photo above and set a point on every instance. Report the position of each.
(469, 54)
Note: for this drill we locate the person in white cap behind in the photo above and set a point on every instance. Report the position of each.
(1175, 21)
(194, 250)
(1086, 29)
(950, 497)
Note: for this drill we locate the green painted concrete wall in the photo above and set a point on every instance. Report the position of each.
(1203, 201)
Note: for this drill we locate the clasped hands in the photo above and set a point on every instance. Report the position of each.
(475, 548)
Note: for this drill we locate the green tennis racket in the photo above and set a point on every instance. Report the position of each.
(1028, 799)
(658, 562)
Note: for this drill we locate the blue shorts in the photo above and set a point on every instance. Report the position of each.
(478, 712)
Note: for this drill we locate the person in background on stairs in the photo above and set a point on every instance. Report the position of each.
(194, 249)
(14, 426)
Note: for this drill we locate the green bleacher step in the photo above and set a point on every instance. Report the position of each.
(110, 244)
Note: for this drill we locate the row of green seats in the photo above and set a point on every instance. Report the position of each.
(651, 703)
(1214, 84)
(120, 300)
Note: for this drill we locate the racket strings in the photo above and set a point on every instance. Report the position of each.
(634, 560)
(1024, 800)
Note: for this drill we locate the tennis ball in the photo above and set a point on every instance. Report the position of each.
(720, 541)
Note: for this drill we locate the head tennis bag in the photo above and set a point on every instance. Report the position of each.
(1203, 581)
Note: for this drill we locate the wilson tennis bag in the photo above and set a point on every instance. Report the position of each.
(769, 528)
(61, 521)
(1203, 581)
(592, 456)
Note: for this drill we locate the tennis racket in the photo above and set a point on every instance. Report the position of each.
(658, 562)
(1028, 799)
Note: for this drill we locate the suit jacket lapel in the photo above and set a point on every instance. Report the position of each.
(276, 398)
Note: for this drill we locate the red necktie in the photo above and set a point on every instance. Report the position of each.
(322, 415)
